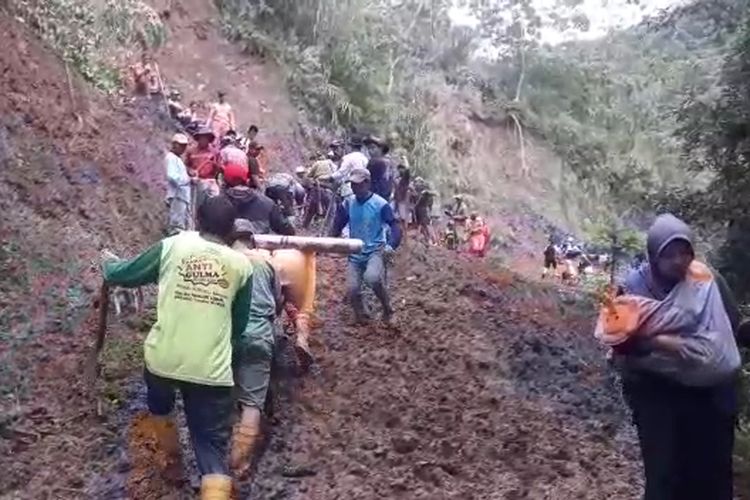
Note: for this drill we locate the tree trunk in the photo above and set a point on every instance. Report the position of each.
(316, 26)
(525, 172)
(521, 75)
(392, 73)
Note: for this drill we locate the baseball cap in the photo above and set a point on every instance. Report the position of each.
(180, 138)
(359, 174)
(235, 174)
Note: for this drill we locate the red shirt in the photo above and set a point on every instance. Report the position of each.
(202, 162)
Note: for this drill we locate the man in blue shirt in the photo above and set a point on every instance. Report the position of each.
(368, 215)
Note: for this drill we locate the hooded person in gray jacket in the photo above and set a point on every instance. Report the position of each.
(686, 432)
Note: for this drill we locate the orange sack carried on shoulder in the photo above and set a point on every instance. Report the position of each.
(626, 315)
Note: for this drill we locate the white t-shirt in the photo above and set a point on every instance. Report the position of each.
(178, 181)
(348, 163)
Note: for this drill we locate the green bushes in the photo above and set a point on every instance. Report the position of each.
(89, 35)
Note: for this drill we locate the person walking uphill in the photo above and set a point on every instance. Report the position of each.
(253, 351)
(179, 187)
(204, 302)
(681, 384)
(367, 215)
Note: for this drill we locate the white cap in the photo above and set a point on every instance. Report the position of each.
(359, 174)
(180, 139)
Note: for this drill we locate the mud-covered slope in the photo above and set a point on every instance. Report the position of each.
(483, 390)
(198, 61)
(77, 173)
(487, 388)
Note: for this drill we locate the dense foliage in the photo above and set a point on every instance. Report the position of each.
(362, 64)
(716, 137)
(609, 108)
(89, 35)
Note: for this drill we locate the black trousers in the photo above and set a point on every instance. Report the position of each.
(208, 411)
(686, 436)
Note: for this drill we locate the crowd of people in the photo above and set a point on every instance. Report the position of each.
(219, 298)
(569, 261)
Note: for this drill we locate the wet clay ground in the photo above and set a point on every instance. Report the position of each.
(483, 389)
(476, 392)
(486, 387)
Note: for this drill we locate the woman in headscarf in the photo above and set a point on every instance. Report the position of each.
(685, 424)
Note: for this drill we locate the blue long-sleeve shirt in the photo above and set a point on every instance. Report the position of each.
(367, 221)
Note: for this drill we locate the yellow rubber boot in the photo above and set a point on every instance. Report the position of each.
(245, 440)
(159, 434)
(302, 345)
(216, 487)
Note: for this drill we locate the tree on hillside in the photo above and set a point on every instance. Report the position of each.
(717, 140)
(515, 29)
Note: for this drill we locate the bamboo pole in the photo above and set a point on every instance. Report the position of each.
(309, 243)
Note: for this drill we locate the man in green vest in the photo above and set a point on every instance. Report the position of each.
(204, 302)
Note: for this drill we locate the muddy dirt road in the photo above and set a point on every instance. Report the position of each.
(487, 388)
(481, 391)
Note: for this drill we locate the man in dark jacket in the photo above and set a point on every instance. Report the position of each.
(379, 167)
(252, 205)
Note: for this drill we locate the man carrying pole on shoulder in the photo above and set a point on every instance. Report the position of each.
(253, 350)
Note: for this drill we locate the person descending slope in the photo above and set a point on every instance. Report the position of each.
(221, 117)
(232, 157)
(203, 303)
(202, 163)
(318, 196)
(285, 190)
(368, 215)
(479, 235)
(401, 205)
(354, 159)
(425, 198)
(250, 136)
(550, 258)
(179, 187)
(145, 76)
(680, 383)
(450, 236)
(336, 152)
(255, 149)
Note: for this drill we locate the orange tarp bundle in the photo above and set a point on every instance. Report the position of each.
(296, 273)
(690, 334)
(621, 317)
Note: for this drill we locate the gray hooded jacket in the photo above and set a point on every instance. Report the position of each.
(706, 357)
